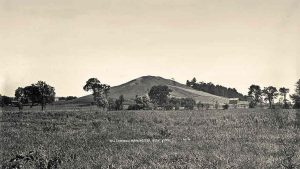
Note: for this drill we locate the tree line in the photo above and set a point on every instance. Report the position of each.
(218, 90)
(270, 93)
(42, 94)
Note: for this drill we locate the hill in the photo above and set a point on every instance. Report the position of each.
(142, 86)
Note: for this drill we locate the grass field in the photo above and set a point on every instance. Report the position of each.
(87, 138)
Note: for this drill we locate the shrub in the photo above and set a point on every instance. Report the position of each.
(225, 106)
(188, 103)
(252, 104)
(134, 107)
(168, 107)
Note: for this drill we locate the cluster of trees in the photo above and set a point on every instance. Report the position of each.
(159, 98)
(39, 93)
(67, 98)
(215, 89)
(141, 103)
(296, 96)
(258, 95)
(116, 104)
(187, 103)
(5, 100)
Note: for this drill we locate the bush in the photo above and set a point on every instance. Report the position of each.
(168, 107)
(112, 104)
(285, 106)
(225, 106)
(5, 101)
(135, 107)
(296, 105)
(200, 105)
(188, 103)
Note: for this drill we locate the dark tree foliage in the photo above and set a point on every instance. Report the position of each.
(159, 94)
(119, 103)
(20, 97)
(5, 101)
(215, 89)
(225, 106)
(141, 103)
(33, 94)
(200, 105)
(37, 94)
(175, 102)
(99, 90)
(188, 83)
(46, 93)
(283, 92)
(255, 94)
(116, 104)
(270, 94)
(111, 104)
(296, 96)
(188, 103)
(67, 98)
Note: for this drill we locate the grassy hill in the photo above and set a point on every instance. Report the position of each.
(142, 86)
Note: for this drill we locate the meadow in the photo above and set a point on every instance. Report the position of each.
(89, 138)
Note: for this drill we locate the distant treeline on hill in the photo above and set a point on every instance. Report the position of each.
(67, 98)
(215, 89)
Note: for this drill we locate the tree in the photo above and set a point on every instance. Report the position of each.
(194, 81)
(188, 83)
(100, 91)
(175, 102)
(200, 105)
(67, 98)
(5, 101)
(255, 95)
(159, 94)
(188, 103)
(39, 93)
(33, 94)
(142, 102)
(20, 97)
(112, 104)
(296, 97)
(270, 94)
(283, 92)
(119, 103)
(46, 93)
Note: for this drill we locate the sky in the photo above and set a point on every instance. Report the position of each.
(234, 43)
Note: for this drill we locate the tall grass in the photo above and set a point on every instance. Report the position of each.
(80, 138)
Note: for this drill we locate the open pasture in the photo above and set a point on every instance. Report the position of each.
(89, 138)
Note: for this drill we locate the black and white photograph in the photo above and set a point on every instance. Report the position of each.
(150, 84)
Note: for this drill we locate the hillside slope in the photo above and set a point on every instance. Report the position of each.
(142, 86)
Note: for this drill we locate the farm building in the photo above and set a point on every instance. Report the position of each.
(233, 101)
(236, 103)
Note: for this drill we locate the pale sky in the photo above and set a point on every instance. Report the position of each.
(234, 43)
